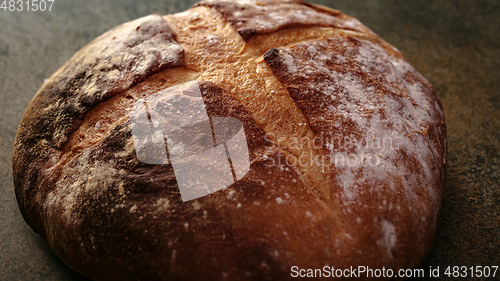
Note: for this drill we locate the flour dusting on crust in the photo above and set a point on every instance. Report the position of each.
(251, 17)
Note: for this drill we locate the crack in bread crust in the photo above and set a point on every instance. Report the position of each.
(99, 122)
(219, 62)
(250, 18)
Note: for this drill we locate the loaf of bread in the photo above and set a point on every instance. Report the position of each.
(325, 148)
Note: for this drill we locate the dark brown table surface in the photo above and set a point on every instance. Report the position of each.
(454, 44)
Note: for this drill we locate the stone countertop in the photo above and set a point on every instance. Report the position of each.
(454, 44)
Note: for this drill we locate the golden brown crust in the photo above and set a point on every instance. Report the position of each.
(306, 81)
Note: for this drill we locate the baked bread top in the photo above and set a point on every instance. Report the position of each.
(346, 142)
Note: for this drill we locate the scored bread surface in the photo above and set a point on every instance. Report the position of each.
(289, 71)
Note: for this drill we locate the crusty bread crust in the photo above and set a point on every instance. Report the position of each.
(289, 71)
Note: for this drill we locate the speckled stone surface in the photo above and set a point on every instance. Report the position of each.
(454, 44)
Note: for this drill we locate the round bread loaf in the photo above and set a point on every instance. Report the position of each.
(343, 164)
